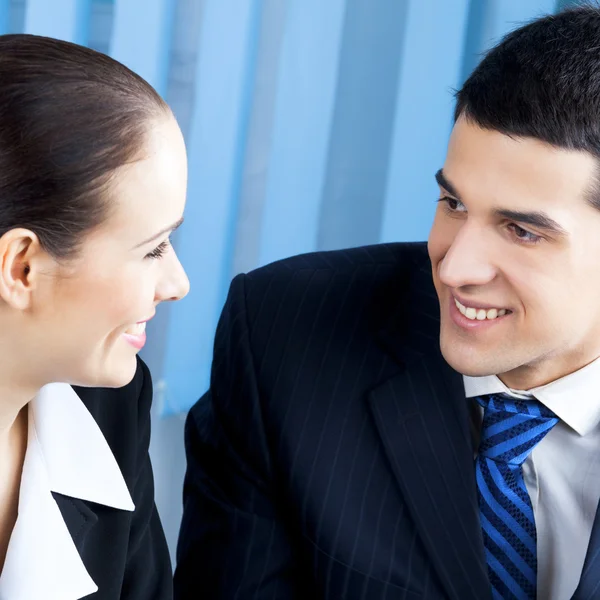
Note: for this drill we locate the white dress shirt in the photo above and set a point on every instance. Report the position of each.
(68, 454)
(562, 474)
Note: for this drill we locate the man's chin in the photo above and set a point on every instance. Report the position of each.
(469, 363)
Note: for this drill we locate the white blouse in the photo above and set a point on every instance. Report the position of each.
(67, 454)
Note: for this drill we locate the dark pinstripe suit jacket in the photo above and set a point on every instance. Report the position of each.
(332, 456)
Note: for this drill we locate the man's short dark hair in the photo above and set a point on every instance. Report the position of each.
(542, 81)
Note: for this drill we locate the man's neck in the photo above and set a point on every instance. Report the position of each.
(534, 376)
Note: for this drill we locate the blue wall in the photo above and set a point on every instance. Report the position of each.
(310, 124)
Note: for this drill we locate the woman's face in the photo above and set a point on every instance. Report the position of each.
(86, 320)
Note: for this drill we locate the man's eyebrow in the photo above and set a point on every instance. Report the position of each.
(443, 182)
(171, 228)
(538, 219)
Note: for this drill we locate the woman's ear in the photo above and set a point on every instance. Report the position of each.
(21, 259)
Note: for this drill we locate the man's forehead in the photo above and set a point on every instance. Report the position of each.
(486, 161)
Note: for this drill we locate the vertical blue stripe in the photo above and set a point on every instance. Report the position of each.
(63, 19)
(473, 46)
(187, 22)
(361, 136)
(99, 33)
(224, 83)
(248, 227)
(83, 16)
(4, 16)
(307, 78)
(246, 104)
(490, 20)
(430, 67)
(141, 38)
(16, 16)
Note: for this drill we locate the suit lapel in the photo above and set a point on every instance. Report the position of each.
(425, 433)
(589, 583)
(422, 417)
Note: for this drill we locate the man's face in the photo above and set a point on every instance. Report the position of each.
(515, 244)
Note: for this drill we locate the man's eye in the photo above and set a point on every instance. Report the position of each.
(452, 204)
(523, 235)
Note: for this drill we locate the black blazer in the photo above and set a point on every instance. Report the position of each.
(332, 456)
(124, 552)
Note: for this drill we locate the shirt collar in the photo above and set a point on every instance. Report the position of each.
(67, 454)
(574, 399)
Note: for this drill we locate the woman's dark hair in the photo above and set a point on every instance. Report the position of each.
(69, 118)
(542, 81)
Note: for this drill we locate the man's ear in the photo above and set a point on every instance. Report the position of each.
(21, 262)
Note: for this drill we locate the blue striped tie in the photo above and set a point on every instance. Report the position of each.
(511, 429)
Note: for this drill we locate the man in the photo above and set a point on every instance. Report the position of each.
(340, 454)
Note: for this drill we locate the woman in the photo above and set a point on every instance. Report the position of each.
(92, 183)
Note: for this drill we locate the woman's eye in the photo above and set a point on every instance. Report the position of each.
(159, 251)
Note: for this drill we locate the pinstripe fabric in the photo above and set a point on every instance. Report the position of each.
(589, 585)
(331, 457)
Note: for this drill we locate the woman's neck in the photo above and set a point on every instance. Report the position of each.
(13, 447)
(14, 397)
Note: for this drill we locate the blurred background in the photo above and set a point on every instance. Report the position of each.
(310, 125)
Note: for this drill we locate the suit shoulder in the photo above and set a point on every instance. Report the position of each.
(343, 264)
(347, 259)
(308, 289)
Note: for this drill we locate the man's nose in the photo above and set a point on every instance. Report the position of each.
(468, 260)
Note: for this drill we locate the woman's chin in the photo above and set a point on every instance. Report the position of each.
(115, 374)
(121, 375)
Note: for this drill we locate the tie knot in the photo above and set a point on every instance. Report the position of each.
(512, 427)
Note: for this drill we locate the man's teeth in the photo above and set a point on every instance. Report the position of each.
(136, 329)
(479, 314)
